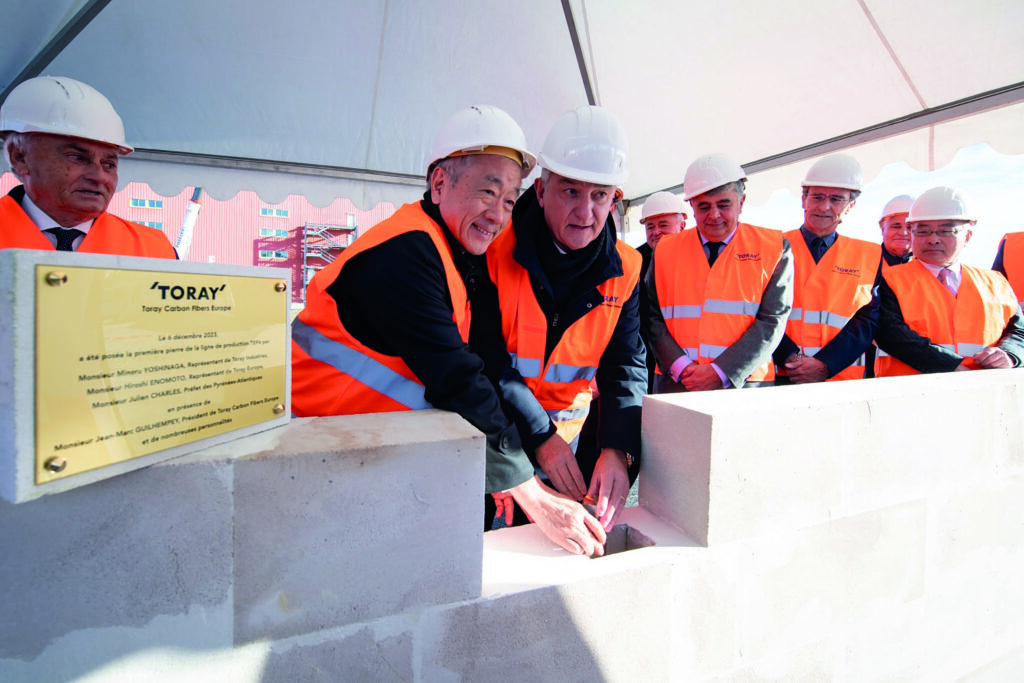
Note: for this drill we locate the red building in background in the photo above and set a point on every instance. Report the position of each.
(245, 230)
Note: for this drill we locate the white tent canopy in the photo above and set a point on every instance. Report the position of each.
(329, 98)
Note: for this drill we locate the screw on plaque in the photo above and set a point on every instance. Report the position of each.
(278, 409)
(56, 278)
(280, 286)
(55, 464)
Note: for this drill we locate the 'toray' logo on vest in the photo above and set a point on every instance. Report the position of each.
(748, 256)
(846, 271)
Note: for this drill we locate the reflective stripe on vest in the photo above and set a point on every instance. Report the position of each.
(679, 312)
(732, 307)
(569, 373)
(567, 414)
(824, 318)
(359, 366)
(527, 367)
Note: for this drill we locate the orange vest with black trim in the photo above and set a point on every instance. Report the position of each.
(332, 372)
(708, 308)
(564, 385)
(965, 324)
(1013, 262)
(827, 294)
(107, 235)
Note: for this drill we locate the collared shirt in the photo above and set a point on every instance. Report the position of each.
(809, 237)
(44, 223)
(954, 268)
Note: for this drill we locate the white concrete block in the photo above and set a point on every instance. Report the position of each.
(362, 656)
(120, 553)
(795, 586)
(734, 464)
(612, 627)
(352, 518)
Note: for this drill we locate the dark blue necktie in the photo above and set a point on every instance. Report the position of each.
(65, 237)
(818, 248)
(713, 249)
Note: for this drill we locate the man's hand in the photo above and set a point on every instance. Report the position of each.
(610, 485)
(698, 377)
(562, 520)
(804, 369)
(559, 462)
(991, 357)
(504, 506)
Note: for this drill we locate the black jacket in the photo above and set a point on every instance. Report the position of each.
(394, 298)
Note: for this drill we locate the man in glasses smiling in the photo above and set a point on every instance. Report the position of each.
(937, 314)
(835, 302)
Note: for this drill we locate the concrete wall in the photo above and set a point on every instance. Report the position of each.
(858, 531)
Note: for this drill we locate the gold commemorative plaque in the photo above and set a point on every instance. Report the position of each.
(131, 362)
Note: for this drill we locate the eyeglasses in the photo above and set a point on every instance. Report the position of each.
(834, 199)
(928, 232)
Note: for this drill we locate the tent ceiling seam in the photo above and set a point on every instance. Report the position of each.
(570, 23)
(892, 53)
(56, 44)
(376, 83)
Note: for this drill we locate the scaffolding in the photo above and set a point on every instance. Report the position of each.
(321, 244)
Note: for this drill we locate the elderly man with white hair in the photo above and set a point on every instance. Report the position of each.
(63, 140)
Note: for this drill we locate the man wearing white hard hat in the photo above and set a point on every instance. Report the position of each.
(663, 214)
(941, 315)
(835, 287)
(720, 294)
(1010, 261)
(62, 140)
(895, 231)
(568, 290)
(386, 326)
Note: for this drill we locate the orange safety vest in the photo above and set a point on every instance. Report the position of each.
(564, 385)
(1013, 262)
(108, 235)
(965, 324)
(707, 309)
(332, 372)
(827, 294)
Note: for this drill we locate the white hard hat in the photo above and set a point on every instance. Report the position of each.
(63, 106)
(475, 129)
(835, 170)
(898, 204)
(661, 203)
(708, 172)
(940, 204)
(587, 144)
